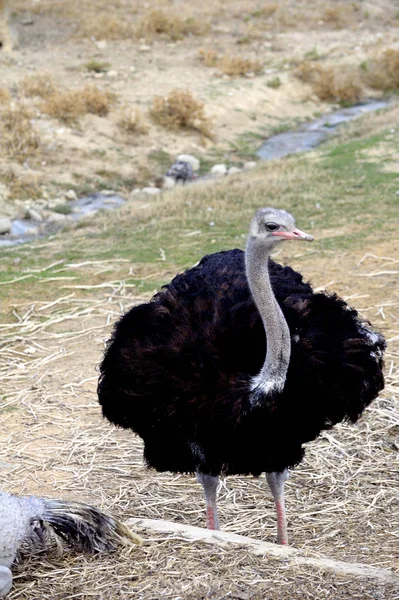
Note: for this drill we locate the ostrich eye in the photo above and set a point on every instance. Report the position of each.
(271, 226)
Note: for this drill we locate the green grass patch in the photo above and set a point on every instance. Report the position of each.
(343, 190)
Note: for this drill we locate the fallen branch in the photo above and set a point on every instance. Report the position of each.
(286, 553)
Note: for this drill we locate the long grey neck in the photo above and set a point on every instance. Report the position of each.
(271, 377)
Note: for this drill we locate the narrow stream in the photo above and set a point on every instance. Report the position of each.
(307, 137)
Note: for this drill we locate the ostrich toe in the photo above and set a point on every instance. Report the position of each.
(5, 580)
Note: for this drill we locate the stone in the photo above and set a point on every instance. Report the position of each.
(192, 160)
(219, 170)
(101, 44)
(71, 195)
(250, 164)
(5, 225)
(34, 214)
(233, 170)
(152, 191)
(168, 183)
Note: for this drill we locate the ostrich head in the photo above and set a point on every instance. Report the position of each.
(271, 225)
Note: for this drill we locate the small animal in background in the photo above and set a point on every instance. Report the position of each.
(236, 364)
(34, 520)
(181, 171)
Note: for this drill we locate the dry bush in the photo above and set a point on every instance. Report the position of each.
(69, 105)
(266, 11)
(340, 16)
(236, 66)
(331, 84)
(18, 139)
(131, 120)
(41, 85)
(383, 73)
(106, 27)
(208, 57)
(157, 22)
(180, 110)
(5, 96)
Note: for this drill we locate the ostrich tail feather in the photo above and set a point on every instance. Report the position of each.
(82, 526)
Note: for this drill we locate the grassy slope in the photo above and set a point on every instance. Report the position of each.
(338, 193)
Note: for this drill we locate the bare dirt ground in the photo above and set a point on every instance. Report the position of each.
(342, 500)
(60, 40)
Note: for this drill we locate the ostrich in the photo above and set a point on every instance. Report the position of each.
(182, 171)
(237, 363)
(34, 520)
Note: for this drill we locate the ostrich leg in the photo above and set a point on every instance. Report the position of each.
(276, 483)
(5, 580)
(210, 485)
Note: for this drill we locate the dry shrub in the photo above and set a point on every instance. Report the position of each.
(41, 85)
(96, 101)
(105, 27)
(18, 139)
(131, 120)
(69, 105)
(208, 57)
(180, 110)
(339, 16)
(331, 84)
(5, 96)
(266, 11)
(383, 73)
(236, 66)
(157, 22)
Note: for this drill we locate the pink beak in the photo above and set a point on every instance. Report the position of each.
(295, 234)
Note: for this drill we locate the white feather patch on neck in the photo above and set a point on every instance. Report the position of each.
(265, 387)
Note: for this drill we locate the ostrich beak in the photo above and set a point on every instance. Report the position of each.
(294, 234)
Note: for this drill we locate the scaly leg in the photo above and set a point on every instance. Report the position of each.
(5, 580)
(276, 483)
(210, 485)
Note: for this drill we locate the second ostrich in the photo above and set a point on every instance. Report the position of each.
(237, 363)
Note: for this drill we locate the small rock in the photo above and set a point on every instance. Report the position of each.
(151, 190)
(168, 183)
(101, 44)
(58, 218)
(34, 214)
(219, 170)
(112, 73)
(5, 225)
(108, 192)
(233, 170)
(192, 160)
(135, 192)
(144, 48)
(71, 195)
(250, 164)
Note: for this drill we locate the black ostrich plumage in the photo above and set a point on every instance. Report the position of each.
(177, 370)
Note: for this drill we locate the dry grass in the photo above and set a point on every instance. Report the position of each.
(5, 97)
(331, 84)
(237, 66)
(383, 73)
(340, 15)
(341, 500)
(158, 22)
(18, 139)
(69, 105)
(40, 84)
(181, 111)
(131, 120)
(208, 57)
(234, 66)
(106, 26)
